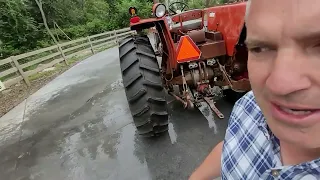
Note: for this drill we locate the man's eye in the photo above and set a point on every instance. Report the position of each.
(258, 49)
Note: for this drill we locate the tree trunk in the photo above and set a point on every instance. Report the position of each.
(39, 3)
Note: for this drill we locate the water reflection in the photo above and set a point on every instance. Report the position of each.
(172, 133)
(176, 154)
(100, 142)
(78, 140)
(209, 115)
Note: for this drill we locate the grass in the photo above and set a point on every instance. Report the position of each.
(58, 67)
(62, 66)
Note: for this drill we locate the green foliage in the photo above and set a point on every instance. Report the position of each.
(18, 28)
(196, 4)
(22, 29)
(121, 16)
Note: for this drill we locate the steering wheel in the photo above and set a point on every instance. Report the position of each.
(184, 6)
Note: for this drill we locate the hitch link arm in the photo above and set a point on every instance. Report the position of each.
(213, 107)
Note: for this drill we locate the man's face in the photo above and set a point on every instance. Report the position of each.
(283, 38)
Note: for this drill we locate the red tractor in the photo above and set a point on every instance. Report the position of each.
(195, 55)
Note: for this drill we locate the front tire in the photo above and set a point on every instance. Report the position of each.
(143, 85)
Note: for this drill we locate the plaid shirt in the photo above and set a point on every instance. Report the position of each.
(251, 151)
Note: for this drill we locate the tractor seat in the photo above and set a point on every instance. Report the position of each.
(188, 25)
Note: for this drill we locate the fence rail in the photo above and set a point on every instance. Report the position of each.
(20, 67)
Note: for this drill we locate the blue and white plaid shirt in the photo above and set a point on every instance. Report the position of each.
(251, 151)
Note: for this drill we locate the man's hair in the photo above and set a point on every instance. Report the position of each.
(247, 9)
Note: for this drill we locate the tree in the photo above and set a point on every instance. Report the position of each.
(18, 28)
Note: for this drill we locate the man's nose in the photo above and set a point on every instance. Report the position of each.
(289, 73)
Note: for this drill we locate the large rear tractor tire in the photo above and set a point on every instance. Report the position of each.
(143, 85)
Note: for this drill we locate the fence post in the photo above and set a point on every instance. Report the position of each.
(2, 87)
(88, 37)
(13, 65)
(115, 34)
(25, 77)
(62, 54)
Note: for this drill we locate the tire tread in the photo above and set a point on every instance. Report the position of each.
(143, 85)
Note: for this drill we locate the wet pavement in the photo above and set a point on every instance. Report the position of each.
(79, 127)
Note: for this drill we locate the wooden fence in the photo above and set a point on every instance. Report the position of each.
(20, 67)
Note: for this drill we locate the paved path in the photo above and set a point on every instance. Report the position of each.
(79, 127)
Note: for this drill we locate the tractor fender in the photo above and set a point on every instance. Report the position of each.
(229, 20)
(145, 24)
(165, 37)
